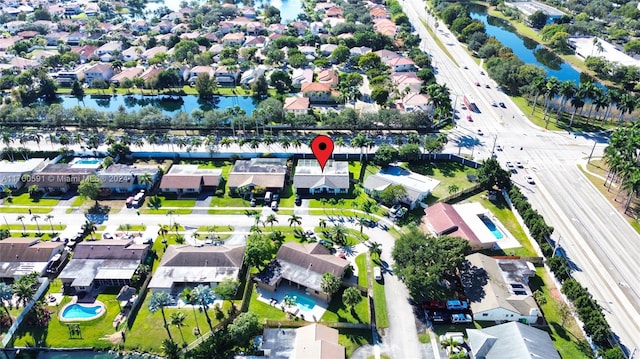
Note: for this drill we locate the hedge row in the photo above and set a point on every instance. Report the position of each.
(589, 312)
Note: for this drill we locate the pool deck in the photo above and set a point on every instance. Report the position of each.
(275, 299)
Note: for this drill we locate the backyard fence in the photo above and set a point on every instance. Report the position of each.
(302, 323)
(476, 188)
(135, 307)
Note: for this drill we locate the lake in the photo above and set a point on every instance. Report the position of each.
(527, 50)
(169, 105)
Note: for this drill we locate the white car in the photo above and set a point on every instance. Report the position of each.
(377, 273)
(519, 164)
(107, 235)
(530, 180)
(480, 133)
(510, 166)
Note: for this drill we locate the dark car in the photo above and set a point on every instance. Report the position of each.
(434, 305)
(298, 200)
(502, 105)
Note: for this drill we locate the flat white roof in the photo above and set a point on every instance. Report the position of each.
(20, 166)
(470, 213)
(312, 167)
(585, 48)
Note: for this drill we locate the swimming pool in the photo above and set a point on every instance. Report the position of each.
(87, 161)
(81, 312)
(304, 303)
(492, 227)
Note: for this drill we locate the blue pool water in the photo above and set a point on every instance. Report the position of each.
(394, 171)
(303, 303)
(76, 311)
(492, 227)
(87, 161)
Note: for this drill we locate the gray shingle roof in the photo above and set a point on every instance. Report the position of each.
(511, 340)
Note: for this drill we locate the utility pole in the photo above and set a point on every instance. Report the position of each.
(495, 139)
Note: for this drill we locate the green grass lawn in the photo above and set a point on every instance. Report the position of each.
(132, 227)
(338, 312)
(566, 337)
(79, 201)
(353, 236)
(354, 169)
(361, 261)
(214, 229)
(380, 303)
(25, 210)
(184, 206)
(45, 235)
(25, 200)
(424, 338)
(32, 227)
(264, 310)
(448, 173)
(352, 339)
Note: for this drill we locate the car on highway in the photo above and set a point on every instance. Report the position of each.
(480, 133)
(530, 180)
(481, 72)
(510, 166)
(494, 104)
(298, 200)
(499, 148)
(466, 68)
(469, 118)
(487, 86)
(519, 164)
(478, 83)
(502, 105)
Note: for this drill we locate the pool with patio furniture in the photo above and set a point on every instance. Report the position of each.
(73, 312)
(306, 306)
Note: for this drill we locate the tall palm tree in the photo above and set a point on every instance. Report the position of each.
(339, 234)
(295, 220)
(204, 296)
(374, 248)
(6, 294)
(35, 218)
(613, 96)
(177, 319)
(577, 101)
(601, 102)
(594, 92)
(49, 218)
(551, 90)
(226, 142)
(567, 89)
(360, 141)
(285, 142)
(91, 228)
(362, 222)
(21, 219)
(322, 223)
(187, 297)
(271, 219)
(538, 86)
(152, 139)
(632, 186)
(158, 301)
(25, 287)
(163, 231)
(627, 104)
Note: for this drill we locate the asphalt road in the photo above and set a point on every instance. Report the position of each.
(600, 243)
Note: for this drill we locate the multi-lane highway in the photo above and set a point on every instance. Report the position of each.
(603, 248)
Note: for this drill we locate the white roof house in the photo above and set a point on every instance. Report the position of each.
(417, 185)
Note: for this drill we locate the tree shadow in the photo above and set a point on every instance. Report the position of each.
(473, 280)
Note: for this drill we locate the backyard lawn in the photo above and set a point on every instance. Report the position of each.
(178, 206)
(448, 173)
(338, 312)
(352, 339)
(361, 260)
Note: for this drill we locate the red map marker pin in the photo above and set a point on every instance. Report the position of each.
(322, 147)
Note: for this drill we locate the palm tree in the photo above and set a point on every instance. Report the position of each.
(632, 186)
(91, 228)
(360, 141)
(21, 219)
(6, 294)
(551, 89)
(567, 90)
(374, 248)
(339, 234)
(187, 297)
(577, 102)
(204, 296)
(295, 220)
(170, 349)
(25, 287)
(158, 301)
(152, 139)
(35, 218)
(285, 142)
(627, 103)
(594, 93)
(362, 222)
(49, 217)
(177, 319)
(322, 223)
(226, 142)
(176, 228)
(539, 85)
(145, 180)
(613, 96)
(270, 220)
(163, 231)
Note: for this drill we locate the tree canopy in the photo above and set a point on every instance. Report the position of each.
(422, 261)
(491, 174)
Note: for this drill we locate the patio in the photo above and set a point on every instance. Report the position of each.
(276, 299)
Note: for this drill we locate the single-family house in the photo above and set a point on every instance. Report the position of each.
(21, 256)
(302, 265)
(233, 39)
(227, 76)
(59, 177)
(56, 37)
(150, 73)
(68, 77)
(387, 55)
(329, 76)
(250, 76)
(254, 41)
(91, 9)
(385, 27)
(317, 92)
(14, 175)
(414, 102)
(182, 179)
(186, 265)
(132, 53)
(122, 178)
(21, 64)
(300, 76)
(323, 6)
(165, 26)
(406, 82)
(98, 71)
(327, 49)
(15, 26)
(110, 262)
(126, 73)
(73, 39)
(147, 54)
(276, 28)
(268, 173)
(314, 341)
(248, 12)
(401, 64)
(86, 52)
(334, 11)
(317, 28)
(296, 105)
(359, 50)
(310, 179)
(28, 34)
(511, 340)
(498, 289)
(199, 70)
(71, 9)
(109, 48)
(378, 12)
(417, 186)
(299, 27)
(6, 43)
(140, 26)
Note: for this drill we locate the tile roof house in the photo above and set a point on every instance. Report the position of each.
(126, 73)
(511, 340)
(185, 264)
(231, 39)
(309, 178)
(301, 76)
(417, 186)
(461, 220)
(98, 71)
(414, 102)
(269, 173)
(329, 76)
(190, 179)
(314, 341)
(400, 64)
(406, 82)
(111, 262)
(296, 105)
(302, 265)
(227, 75)
(20, 256)
(86, 52)
(58, 177)
(498, 289)
(317, 92)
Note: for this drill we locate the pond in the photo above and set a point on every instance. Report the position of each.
(527, 50)
(169, 105)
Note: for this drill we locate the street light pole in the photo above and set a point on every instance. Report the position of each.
(595, 142)
(495, 139)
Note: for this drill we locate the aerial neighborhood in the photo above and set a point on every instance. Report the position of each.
(163, 193)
